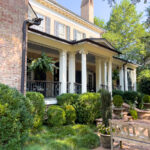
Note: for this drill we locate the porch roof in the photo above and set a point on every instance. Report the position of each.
(96, 41)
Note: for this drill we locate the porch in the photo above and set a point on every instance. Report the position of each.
(83, 66)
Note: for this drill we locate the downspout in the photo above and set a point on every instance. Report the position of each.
(124, 74)
(24, 47)
(26, 24)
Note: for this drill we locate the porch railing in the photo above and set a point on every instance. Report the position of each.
(77, 88)
(47, 88)
(102, 86)
(116, 87)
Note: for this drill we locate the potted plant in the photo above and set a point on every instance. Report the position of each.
(105, 135)
(146, 101)
(118, 102)
(106, 115)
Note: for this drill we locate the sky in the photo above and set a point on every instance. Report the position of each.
(101, 8)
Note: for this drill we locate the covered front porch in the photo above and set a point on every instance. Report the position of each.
(83, 66)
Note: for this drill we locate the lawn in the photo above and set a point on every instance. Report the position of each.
(70, 137)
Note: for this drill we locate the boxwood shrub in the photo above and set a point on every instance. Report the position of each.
(15, 118)
(117, 101)
(88, 107)
(146, 99)
(117, 92)
(67, 99)
(37, 100)
(70, 114)
(56, 116)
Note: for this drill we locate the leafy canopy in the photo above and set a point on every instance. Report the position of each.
(124, 31)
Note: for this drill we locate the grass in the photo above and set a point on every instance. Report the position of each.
(70, 137)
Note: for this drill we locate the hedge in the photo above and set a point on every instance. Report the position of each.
(15, 118)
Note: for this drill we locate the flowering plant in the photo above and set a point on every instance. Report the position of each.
(104, 130)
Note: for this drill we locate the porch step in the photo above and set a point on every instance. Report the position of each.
(50, 101)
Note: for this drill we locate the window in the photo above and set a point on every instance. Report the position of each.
(79, 35)
(62, 31)
(45, 24)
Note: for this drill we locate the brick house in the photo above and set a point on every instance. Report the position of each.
(85, 60)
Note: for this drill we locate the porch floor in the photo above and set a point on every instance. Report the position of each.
(50, 101)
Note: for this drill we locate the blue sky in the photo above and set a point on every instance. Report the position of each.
(101, 8)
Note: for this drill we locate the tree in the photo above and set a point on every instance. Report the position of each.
(124, 31)
(111, 2)
(99, 22)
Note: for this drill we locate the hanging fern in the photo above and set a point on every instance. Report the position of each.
(43, 64)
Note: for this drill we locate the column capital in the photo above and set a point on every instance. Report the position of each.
(83, 51)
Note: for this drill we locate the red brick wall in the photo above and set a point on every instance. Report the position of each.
(12, 15)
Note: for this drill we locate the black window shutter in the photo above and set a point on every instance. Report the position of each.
(48, 22)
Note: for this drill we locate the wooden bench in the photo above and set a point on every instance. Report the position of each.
(133, 132)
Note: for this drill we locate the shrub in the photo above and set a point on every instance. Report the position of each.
(117, 92)
(134, 114)
(15, 118)
(106, 107)
(117, 100)
(56, 116)
(146, 99)
(70, 114)
(88, 107)
(37, 100)
(130, 96)
(144, 81)
(67, 99)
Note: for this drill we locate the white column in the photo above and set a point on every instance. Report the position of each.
(72, 71)
(134, 77)
(98, 74)
(105, 73)
(121, 78)
(126, 78)
(63, 71)
(84, 71)
(110, 75)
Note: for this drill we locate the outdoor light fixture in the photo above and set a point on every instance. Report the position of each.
(33, 19)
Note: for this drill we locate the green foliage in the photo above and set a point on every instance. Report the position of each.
(146, 99)
(134, 114)
(70, 137)
(124, 31)
(37, 100)
(103, 130)
(88, 107)
(144, 81)
(44, 64)
(118, 101)
(56, 116)
(130, 96)
(115, 75)
(70, 114)
(117, 92)
(15, 118)
(106, 107)
(99, 22)
(67, 99)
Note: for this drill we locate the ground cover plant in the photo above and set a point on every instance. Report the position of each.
(70, 137)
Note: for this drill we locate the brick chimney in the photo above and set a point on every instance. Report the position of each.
(87, 10)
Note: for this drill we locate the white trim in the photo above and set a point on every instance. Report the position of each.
(36, 4)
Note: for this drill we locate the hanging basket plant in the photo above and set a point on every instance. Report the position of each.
(43, 64)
